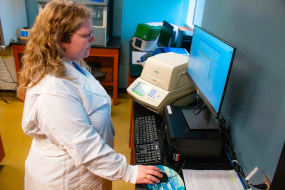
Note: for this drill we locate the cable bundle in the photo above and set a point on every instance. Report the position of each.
(225, 131)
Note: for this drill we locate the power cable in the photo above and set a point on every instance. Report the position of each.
(225, 131)
(14, 82)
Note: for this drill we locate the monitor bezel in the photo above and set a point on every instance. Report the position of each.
(138, 43)
(199, 92)
(159, 44)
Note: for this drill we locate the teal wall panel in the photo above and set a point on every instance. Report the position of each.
(144, 11)
(254, 102)
(126, 15)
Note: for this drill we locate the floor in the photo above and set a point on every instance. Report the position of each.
(16, 143)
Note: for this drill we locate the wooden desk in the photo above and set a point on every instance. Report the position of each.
(133, 73)
(112, 50)
(2, 153)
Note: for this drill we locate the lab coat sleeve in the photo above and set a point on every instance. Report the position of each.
(64, 121)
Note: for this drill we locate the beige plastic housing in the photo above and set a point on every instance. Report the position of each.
(163, 82)
(166, 70)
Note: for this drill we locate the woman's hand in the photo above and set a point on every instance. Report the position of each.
(146, 175)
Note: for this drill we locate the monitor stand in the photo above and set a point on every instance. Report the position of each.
(203, 120)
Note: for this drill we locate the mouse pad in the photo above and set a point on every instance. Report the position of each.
(174, 180)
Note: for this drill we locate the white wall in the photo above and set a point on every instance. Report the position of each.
(13, 19)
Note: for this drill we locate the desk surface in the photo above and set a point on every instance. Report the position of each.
(222, 163)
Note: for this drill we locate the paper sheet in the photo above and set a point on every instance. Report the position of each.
(136, 55)
(212, 179)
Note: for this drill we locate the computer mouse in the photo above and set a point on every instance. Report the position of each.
(164, 177)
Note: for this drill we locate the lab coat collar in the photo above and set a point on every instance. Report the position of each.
(86, 80)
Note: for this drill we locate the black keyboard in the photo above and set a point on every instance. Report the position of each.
(146, 141)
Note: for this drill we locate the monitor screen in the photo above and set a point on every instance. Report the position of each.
(165, 35)
(138, 43)
(141, 89)
(209, 67)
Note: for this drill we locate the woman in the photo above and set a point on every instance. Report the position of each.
(67, 111)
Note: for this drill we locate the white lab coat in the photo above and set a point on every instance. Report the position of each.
(72, 147)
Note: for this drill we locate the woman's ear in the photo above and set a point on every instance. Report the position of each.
(64, 41)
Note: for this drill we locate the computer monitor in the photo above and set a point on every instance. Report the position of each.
(209, 67)
(165, 35)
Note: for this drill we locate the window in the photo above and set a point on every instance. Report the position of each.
(195, 13)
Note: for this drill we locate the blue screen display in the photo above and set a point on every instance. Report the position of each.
(209, 66)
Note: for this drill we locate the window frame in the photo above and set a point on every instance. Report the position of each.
(194, 6)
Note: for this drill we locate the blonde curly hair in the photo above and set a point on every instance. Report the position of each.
(43, 53)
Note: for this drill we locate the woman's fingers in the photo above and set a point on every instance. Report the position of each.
(152, 179)
(153, 168)
(148, 174)
(155, 173)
